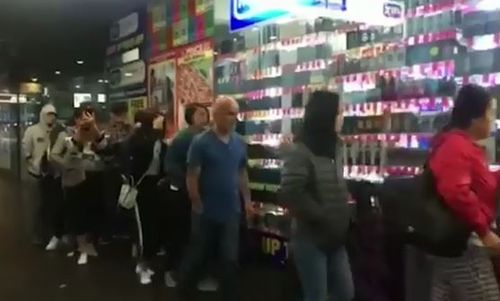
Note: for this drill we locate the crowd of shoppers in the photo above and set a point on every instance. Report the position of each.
(193, 192)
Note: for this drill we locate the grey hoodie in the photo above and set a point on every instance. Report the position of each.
(37, 141)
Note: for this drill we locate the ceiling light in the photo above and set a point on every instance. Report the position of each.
(128, 74)
(34, 79)
(78, 86)
(80, 62)
(57, 72)
(272, 38)
(100, 81)
(106, 81)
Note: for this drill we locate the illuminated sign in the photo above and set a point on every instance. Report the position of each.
(248, 13)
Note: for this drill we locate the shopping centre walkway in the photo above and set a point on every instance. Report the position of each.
(28, 273)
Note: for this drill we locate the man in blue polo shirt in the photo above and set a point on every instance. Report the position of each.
(216, 178)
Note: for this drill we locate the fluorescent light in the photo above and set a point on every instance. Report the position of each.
(78, 86)
(34, 79)
(100, 81)
(106, 81)
(80, 62)
(128, 74)
(57, 72)
(272, 38)
(488, 5)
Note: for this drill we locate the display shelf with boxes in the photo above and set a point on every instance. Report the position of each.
(397, 84)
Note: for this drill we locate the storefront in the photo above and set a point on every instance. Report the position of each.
(396, 64)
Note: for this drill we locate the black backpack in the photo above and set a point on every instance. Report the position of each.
(414, 212)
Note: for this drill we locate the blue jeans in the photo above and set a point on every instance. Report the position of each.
(205, 234)
(321, 272)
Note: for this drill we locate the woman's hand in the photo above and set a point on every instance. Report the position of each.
(492, 242)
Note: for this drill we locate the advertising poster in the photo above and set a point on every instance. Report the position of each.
(162, 86)
(135, 105)
(194, 76)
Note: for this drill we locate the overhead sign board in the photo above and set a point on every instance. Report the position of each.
(248, 13)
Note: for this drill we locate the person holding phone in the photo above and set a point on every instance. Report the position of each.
(74, 155)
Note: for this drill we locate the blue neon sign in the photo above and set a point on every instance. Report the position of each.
(247, 13)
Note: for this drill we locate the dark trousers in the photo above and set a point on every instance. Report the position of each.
(149, 219)
(177, 226)
(205, 233)
(51, 211)
(85, 209)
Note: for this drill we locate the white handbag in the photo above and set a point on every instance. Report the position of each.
(128, 193)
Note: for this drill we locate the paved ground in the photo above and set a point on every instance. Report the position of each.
(28, 273)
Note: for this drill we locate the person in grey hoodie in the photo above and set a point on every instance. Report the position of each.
(75, 155)
(38, 142)
(313, 188)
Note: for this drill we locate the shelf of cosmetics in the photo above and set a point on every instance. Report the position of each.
(366, 109)
(285, 71)
(427, 80)
(400, 123)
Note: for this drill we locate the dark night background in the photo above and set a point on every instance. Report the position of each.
(48, 35)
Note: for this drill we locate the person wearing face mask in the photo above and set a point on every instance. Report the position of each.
(196, 117)
(38, 142)
(146, 150)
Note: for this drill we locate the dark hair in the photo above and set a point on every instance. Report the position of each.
(83, 108)
(318, 130)
(191, 109)
(471, 103)
(119, 108)
(146, 118)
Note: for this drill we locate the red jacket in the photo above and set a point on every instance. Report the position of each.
(463, 179)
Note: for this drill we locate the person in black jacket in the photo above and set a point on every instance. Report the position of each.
(146, 150)
(314, 190)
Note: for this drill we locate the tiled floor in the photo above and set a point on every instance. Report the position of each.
(28, 273)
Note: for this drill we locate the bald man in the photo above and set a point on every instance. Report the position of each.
(216, 178)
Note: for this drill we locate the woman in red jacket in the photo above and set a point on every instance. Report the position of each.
(463, 180)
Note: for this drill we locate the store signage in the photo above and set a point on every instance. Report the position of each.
(126, 45)
(274, 247)
(128, 75)
(125, 27)
(247, 13)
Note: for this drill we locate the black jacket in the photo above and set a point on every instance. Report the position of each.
(314, 190)
(138, 153)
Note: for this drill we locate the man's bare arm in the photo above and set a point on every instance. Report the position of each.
(245, 188)
(192, 182)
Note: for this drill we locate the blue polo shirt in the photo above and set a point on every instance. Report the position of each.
(220, 165)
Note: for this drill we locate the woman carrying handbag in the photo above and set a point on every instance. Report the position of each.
(146, 151)
(467, 187)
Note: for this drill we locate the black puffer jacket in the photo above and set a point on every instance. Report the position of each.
(314, 190)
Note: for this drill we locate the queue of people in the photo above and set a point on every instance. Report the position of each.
(193, 192)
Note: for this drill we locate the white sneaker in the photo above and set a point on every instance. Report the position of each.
(53, 243)
(83, 259)
(208, 285)
(145, 277)
(139, 268)
(170, 282)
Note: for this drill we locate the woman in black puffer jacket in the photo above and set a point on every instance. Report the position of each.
(314, 190)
